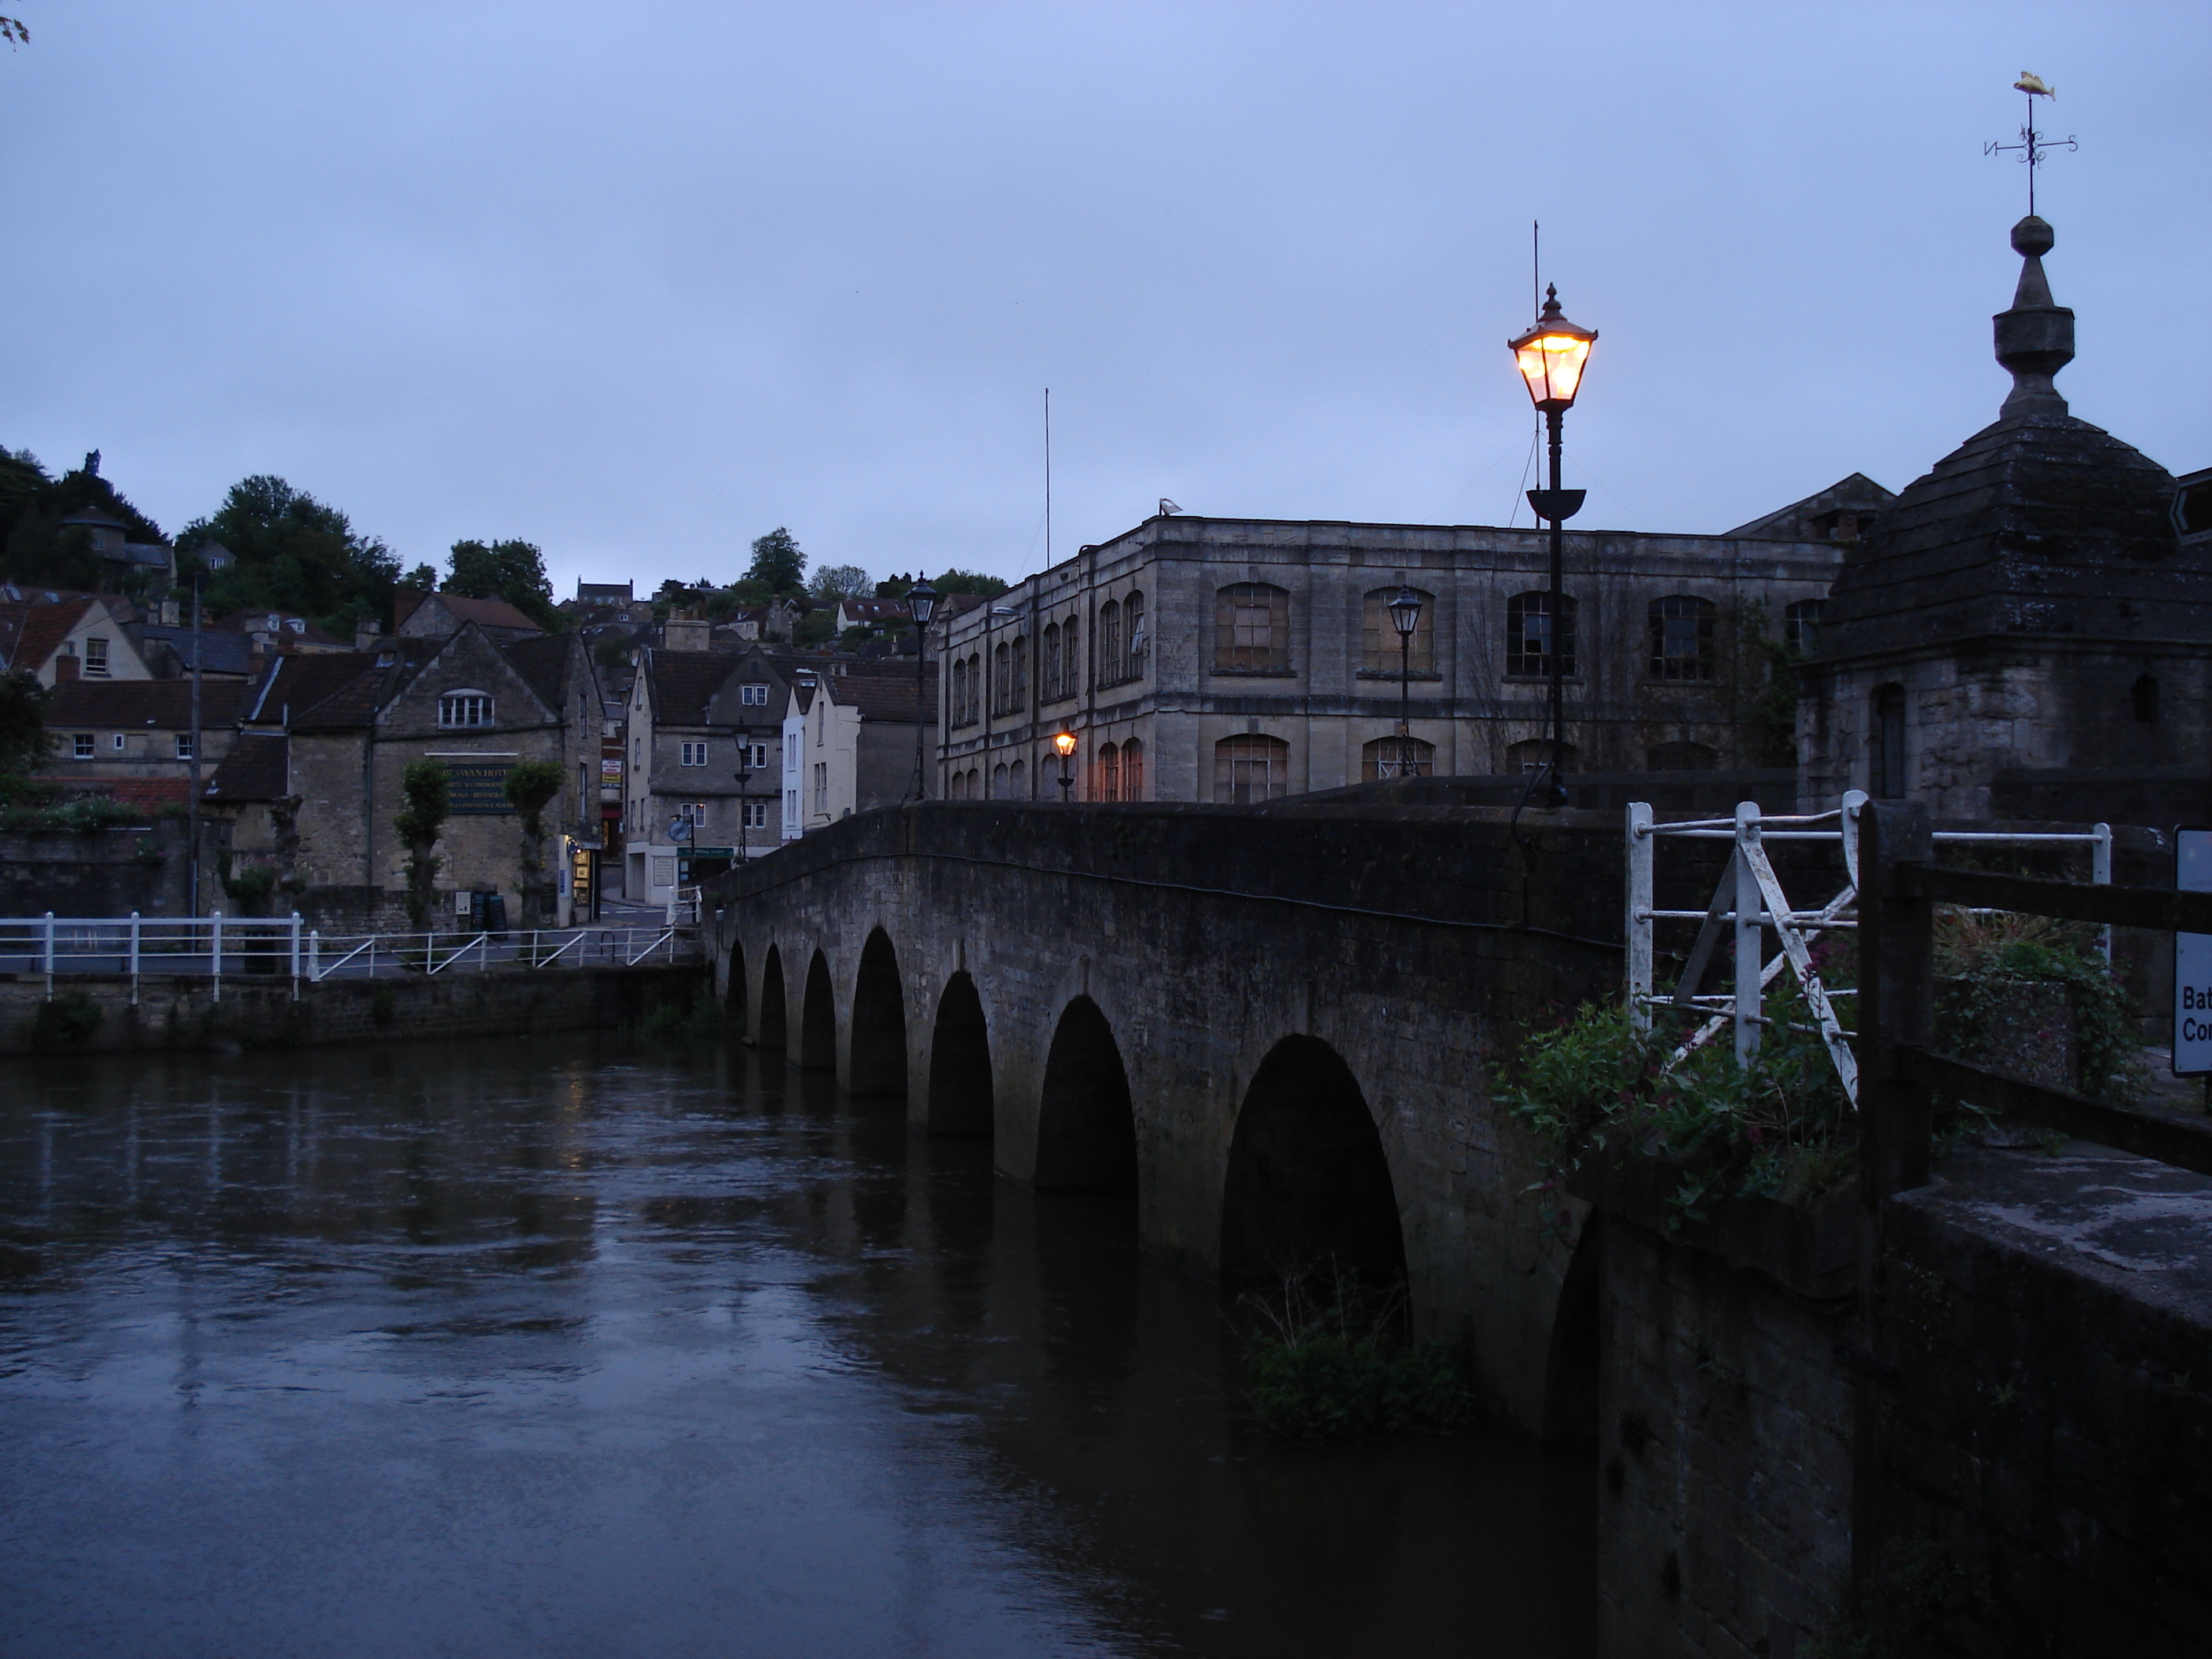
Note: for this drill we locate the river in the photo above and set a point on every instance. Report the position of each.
(572, 1348)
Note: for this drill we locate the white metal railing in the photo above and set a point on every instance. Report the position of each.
(217, 947)
(1749, 899)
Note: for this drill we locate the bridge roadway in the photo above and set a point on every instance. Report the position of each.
(1278, 1024)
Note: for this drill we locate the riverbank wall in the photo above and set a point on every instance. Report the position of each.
(96, 1013)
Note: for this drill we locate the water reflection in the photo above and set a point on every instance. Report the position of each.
(505, 1348)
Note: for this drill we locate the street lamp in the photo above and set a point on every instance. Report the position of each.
(1063, 744)
(744, 777)
(1404, 617)
(1551, 357)
(922, 602)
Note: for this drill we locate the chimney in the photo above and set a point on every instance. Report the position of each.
(66, 667)
(686, 630)
(366, 633)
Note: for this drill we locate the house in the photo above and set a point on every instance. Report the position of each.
(879, 614)
(337, 732)
(121, 558)
(135, 738)
(705, 735)
(442, 615)
(273, 631)
(59, 637)
(854, 743)
(1242, 660)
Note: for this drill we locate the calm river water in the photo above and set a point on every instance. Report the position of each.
(557, 1349)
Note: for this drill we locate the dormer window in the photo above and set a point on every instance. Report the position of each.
(464, 708)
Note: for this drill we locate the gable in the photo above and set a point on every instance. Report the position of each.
(467, 661)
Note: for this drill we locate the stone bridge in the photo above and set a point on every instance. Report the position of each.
(1276, 1024)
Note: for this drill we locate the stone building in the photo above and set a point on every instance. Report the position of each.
(133, 738)
(849, 744)
(1231, 660)
(313, 778)
(440, 616)
(58, 636)
(705, 735)
(2026, 608)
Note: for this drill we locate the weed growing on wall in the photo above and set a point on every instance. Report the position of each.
(1980, 959)
(1326, 1363)
(63, 1022)
(699, 1020)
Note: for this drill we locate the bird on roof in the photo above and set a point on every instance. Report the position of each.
(2032, 85)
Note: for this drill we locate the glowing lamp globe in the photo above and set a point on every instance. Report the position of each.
(1551, 357)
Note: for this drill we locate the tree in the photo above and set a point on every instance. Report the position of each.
(839, 582)
(292, 553)
(531, 787)
(817, 627)
(24, 745)
(512, 570)
(35, 546)
(422, 787)
(778, 561)
(422, 579)
(956, 581)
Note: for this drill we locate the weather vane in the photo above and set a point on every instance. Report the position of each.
(2033, 144)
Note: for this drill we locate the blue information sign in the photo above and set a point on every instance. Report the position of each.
(2192, 961)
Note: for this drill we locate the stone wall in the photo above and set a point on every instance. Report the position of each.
(256, 1011)
(104, 873)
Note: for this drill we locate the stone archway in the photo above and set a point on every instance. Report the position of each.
(817, 1020)
(1571, 1370)
(733, 999)
(1308, 1182)
(879, 1032)
(961, 1095)
(774, 1002)
(1086, 1126)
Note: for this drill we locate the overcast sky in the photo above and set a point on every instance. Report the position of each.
(641, 282)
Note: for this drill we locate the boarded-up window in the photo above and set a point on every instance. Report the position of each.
(1110, 643)
(1250, 768)
(1529, 635)
(1396, 757)
(1133, 769)
(1251, 630)
(1381, 635)
(1109, 773)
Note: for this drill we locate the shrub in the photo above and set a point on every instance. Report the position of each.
(699, 1020)
(1326, 1363)
(1978, 956)
(422, 787)
(66, 1021)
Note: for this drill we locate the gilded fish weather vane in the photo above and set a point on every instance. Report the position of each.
(2032, 145)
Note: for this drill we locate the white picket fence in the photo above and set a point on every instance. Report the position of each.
(216, 947)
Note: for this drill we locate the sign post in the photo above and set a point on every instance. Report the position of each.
(2192, 961)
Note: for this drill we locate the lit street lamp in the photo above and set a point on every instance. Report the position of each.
(1551, 357)
(921, 601)
(1063, 744)
(1404, 617)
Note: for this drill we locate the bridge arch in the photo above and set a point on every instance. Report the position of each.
(961, 1097)
(1086, 1126)
(1308, 1179)
(734, 1007)
(818, 1019)
(1571, 1368)
(774, 1002)
(877, 1065)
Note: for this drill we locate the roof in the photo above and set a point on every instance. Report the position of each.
(885, 696)
(93, 515)
(167, 704)
(145, 793)
(683, 682)
(255, 619)
(30, 633)
(258, 767)
(485, 613)
(1857, 494)
(877, 610)
(623, 591)
(220, 654)
(327, 691)
(544, 662)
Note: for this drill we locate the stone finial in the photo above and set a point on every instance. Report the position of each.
(2035, 338)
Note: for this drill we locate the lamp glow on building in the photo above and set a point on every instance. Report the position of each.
(1551, 357)
(1406, 616)
(921, 604)
(1063, 744)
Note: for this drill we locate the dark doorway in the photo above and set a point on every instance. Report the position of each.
(817, 1020)
(1570, 1373)
(734, 1005)
(775, 1001)
(878, 1066)
(1886, 749)
(1086, 1128)
(1308, 1183)
(960, 1093)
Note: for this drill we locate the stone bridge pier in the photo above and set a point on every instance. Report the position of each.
(1277, 1026)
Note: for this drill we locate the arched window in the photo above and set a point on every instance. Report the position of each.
(998, 782)
(1071, 658)
(1110, 643)
(1251, 630)
(975, 687)
(1002, 678)
(1250, 768)
(1133, 645)
(2144, 696)
(1530, 753)
(1132, 771)
(1021, 685)
(1109, 773)
(1885, 744)
(1681, 757)
(1529, 635)
(1017, 786)
(1381, 655)
(956, 786)
(1051, 663)
(1800, 625)
(1389, 757)
(1681, 638)
(960, 692)
(464, 708)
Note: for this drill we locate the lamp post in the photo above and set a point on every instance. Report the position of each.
(744, 777)
(1404, 617)
(1063, 744)
(921, 600)
(1551, 357)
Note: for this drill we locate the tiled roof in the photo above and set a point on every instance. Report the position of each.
(145, 793)
(247, 622)
(884, 697)
(543, 662)
(220, 654)
(30, 633)
(685, 683)
(327, 691)
(258, 767)
(166, 705)
(486, 613)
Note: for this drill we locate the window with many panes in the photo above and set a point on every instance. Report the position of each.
(695, 754)
(81, 746)
(1395, 757)
(756, 815)
(1529, 635)
(1251, 630)
(693, 812)
(1381, 653)
(183, 745)
(464, 708)
(1681, 638)
(1250, 768)
(95, 658)
(755, 695)
(1133, 769)
(1800, 625)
